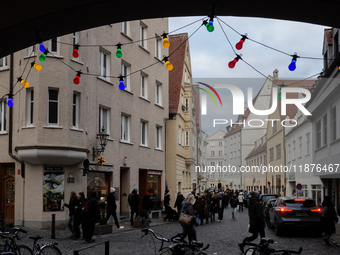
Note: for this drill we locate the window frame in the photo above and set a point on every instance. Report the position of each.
(75, 110)
(103, 54)
(144, 81)
(158, 47)
(333, 124)
(158, 137)
(158, 93)
(318, 134)
(125, 28)
(144, 133)
(3, 63)
(126, 71)
(271, 154)
(50, 46)
(325, 126)
(125, 120)
(48, 110)
(29, 107)
(278, 151)
(3, 110)
(186, 138)
(101, 118)
(143, 35)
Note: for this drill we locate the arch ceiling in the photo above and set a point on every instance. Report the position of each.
(20, 18)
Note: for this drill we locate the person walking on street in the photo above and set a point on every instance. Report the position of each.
(256, 219)
(233, 205)
(147, 204)
(213, 207)
(220, 207)
(328, 219)
(206, 208)
(72, 211)
(188, 208)
(92, 217)
(178, 202)
(112, 207)
(133, 200)
(245, 199)
(167, 198)
(226, 198)
(240, 202)
(81, 208)
(78, 219)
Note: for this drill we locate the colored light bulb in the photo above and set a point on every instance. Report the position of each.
(166, 43)
(121, 84)
(119, 53)
(25, 83)
(76, 80)
(292, 65)
(10, 102)
(169, 66)
(42, 47)
(42, 58)
(232, 63)
(279, 95)
(75, 53)
(239, 45)
(37, 67)
(210, 26)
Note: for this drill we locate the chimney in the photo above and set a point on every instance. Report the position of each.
(276, 74)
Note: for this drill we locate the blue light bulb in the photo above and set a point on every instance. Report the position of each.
(121, 85)
(10, 102)
(42, 47)
(292, 65)
(211, 22)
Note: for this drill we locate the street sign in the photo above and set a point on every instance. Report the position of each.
(299, 186)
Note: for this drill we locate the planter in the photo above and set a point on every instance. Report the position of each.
(102, 229)
(140, 224)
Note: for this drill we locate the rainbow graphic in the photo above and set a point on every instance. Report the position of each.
(209, 93)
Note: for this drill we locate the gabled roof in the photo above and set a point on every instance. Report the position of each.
(177, 55)
(257, 150)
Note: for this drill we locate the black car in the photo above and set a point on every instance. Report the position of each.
(293, 213)
(269, 204)
(265, 197)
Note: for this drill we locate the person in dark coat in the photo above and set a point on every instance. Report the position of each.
(72, 211)
(92, 217)
(213, 207)
(82, 200)
(256, 219)
(178, 202)
(147, 204)
(226, 198)
(112, 207)
(329, 218)
(134, 204)
(200, 205)
(233, 205)
(206, 208)
(220, 206)
(167, 198)
(188, 208)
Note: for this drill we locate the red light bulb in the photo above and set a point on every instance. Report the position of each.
(76, 80)
(75, 53)
(239, 45)
(232, 63)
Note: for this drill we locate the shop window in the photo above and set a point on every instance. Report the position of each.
(154, 188)
(53, 191)
(99, 182)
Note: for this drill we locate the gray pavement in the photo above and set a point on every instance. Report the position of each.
(222, 237)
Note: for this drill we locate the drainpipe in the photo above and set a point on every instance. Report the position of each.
(10, 135)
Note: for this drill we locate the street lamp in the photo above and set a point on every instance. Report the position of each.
(102, 138)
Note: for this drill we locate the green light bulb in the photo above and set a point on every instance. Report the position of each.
(119, 53)
(42, 58)
(210, 28)
(279, 95)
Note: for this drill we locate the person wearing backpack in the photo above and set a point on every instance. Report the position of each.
(92, 216)
(133, 200)
(147, 204)
(112, 207)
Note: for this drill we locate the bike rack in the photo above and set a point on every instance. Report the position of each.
(107, 248)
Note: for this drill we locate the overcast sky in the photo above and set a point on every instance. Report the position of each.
(211, 53)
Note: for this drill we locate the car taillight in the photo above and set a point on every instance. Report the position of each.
(316, 210)
(299, 199)
(285, 210)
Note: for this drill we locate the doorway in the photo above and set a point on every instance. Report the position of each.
(7, 191)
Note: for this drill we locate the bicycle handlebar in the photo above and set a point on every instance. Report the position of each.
(146, 231)
(289, 251)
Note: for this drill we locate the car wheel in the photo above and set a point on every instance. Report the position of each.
(278, 231)
(269, 225)
(164, 218)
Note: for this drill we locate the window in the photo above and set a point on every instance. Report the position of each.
(325, 129)
(235, 140)
(158, 93)
(212, 153)
(271, 154)
(304, 190)
(212, 163)
(179, 135)
(300, 146)
(333, 118)
(182, 100)
(75, 112)
(260, 161)
(183, 137)
(186, 138)
(104, 119)
(278, 151)
(318, 134)
(220, 153)
(29, 106)
(293, 158)
(3, 107)
(3, 62)
(53, 105)
(104, 65)
(186, 104)
(143, 35)
(264, 160)
(234, 154)
(289, 153)
(53, 46)
(220, 163)
(75, 38)
(143, 85)
(274, 126)
(158, 48)
(231, 141)
(316, 193)
(125, 70)
(158, 137)
(144, 133)
(220, 144)
(30, 51)
(307, 143)
(125, 128)
(125, 27)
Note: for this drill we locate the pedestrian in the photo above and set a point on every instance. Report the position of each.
(233, 205)
(328, 219)
(147, 204)
(256, 219)
(82, 203)
(178, 202)
(240, 201)
(71, 207)
(78, 215)
(220, 207)
(112, 207)
(200, 205)
(206, 208)
(213, 207)
(188, 208)
(133, 200)
(226, 198)
(92, 217)
(167, 198)
(245, 199)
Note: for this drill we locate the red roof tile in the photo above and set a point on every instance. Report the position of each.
(328, 34)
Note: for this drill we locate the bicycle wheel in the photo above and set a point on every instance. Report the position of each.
(50, 250)
(24, 250)
(252, 251)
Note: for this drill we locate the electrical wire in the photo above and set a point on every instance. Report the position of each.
(226, 37)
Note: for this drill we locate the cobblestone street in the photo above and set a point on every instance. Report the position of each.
(222, 237)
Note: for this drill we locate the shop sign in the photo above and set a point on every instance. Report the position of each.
(155, 172)
(53, 168)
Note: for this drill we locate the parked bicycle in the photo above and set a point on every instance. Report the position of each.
(263, 249)
(11, 245)
(179, 246)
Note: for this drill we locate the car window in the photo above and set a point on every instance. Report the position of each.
(297, 204)
(265, 198)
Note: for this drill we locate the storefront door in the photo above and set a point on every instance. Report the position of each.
(100, 183)
(7, 191)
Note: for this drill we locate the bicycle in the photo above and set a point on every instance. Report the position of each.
(179, 246)
(45, 249)
(263, 249)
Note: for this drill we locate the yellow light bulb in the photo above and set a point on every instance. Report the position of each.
(169, 66)
(25, 84)
(37, 67)
(166, 43)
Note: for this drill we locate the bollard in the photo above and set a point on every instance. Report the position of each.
(2, 222)
(53, 227)
(107, 247)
